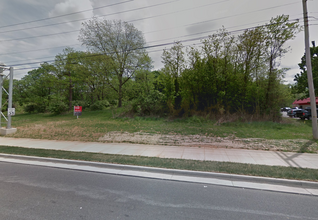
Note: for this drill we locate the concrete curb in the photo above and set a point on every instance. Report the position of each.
(198, 174)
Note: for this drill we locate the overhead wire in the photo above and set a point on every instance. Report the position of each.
(67, 32)
(68, 14)
(27, 51)
(83, 19)
(163, 44)
(48, 48)
(164, 39)
(170, 43)
(200, 33)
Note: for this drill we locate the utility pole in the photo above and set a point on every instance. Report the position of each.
(1, 82)
(10, 97)
(11, 111)
(309, 75)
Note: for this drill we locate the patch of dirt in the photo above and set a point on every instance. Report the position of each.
(294, 145)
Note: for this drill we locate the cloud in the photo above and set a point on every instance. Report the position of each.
(200, 28)
(73, 6)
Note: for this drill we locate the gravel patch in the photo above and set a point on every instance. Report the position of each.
(294, 145)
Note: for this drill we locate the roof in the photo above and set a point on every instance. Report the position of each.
(304, 101)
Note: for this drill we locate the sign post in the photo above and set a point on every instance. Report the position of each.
(11, 111)
(77, 111)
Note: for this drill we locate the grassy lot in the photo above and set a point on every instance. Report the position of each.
(208, 166)
(94, 124)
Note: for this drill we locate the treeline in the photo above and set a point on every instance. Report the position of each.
(225, 74)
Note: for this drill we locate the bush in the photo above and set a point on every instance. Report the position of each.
(153, 103)
(100, 105)
(58, 107)
(113, 102)
(35, 107)
(29, 108)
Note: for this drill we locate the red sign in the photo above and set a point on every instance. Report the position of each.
(77, 110)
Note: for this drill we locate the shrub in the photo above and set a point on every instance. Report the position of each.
(29, 108)
(113, 102)
(153, 103)
(58, 107)
(35, 107)
(100, 105)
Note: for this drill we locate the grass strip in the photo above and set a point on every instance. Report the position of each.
(194, 165)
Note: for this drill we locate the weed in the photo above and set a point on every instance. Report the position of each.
(207, 166)
(95, 124)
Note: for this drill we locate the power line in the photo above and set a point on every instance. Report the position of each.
(210, 21)
(204, 32)
(144, 33)
(59, 16)
(28, 68)
(48, 48)
(239, 30)
(155, 16)
(65, 22)
(67, 32)
(46, 35)
(159, 45)
(161, 40)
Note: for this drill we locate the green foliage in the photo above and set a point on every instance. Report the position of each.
(123, 48)
(294, 173)
(58, 107)
(149, 104)
(35, 107)
(195, 119)
(113, 102)
(29, 108)
(100, 105)
(225, 75)
(143, 83)
(230, 74)
(301, 86)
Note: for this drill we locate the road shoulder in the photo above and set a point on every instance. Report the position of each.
(228, 180)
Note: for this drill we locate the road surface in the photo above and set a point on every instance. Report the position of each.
(33, 192)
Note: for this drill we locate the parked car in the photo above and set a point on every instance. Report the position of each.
(292, 112)
(306, 114)
(303, 114)
(285, 109)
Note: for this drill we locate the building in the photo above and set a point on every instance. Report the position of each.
(303, 103)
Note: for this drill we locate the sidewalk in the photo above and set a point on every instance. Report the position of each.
(271, 158)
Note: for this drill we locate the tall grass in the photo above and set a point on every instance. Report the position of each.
(94, 124)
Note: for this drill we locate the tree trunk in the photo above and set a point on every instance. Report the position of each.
(70, 95)
(120, 92)
(270, 86)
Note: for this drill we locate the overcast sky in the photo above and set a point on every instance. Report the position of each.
(23, 41)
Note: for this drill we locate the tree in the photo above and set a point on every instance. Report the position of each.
(65, 65)
(301, 86)
(218, 53)
(37, 88)
(174, 62)
(122, 44)
(250, 48)
(278, 32)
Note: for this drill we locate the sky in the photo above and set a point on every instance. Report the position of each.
(35, 31)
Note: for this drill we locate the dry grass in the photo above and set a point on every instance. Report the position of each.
(60, 130)
(290, 135)
(207, 166)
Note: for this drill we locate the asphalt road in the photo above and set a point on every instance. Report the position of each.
(32, 192)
